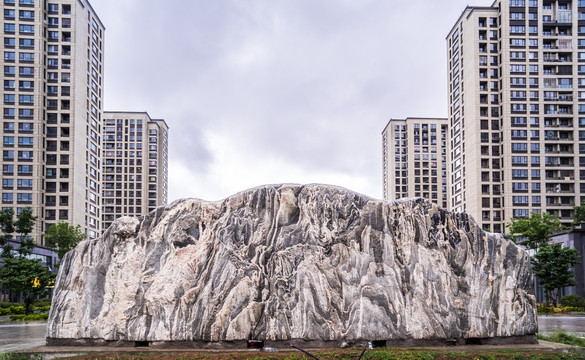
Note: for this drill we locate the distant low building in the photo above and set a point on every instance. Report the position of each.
(47, 256)
(576, 240)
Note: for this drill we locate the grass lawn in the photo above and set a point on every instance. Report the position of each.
(382, 354)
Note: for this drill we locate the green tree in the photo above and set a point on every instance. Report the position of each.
(7, 227)
(63, 237)
(553, 266)
(579, 215)
(534, 231)
(552, 263)
(23, 225)
(23, 276)
(19, 274)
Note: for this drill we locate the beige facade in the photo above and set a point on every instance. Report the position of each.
(135, 164)
(517, 110)
(52, 104)
(415, 159)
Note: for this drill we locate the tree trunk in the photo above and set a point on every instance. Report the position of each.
(547, 294)
(27, 305)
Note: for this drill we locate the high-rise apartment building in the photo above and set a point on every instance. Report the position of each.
(52, 105)
(517, 110)
(415, 159)
(135, 164)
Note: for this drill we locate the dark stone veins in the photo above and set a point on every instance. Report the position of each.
(316, 264)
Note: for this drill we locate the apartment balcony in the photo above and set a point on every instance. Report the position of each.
(561, 136)
(558, 122)
(561, 56)
(559, 202)
(559, 176)
(556, 190)
(558, 152)
(566, 219)
(561, 112)
(556, 164)
(559, 98)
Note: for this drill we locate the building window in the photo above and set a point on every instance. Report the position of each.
(7, 198)
(517, 29)
(520, 213)
(26, 15)
(520, 187)
(519, 160)
(9, 14)
(26, 29)
(26, 71)
(24, 198)
(519, 174)
(9, 28)
(25, 141)
(25, 113)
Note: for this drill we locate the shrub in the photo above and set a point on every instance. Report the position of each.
(8, 308)
(21, 356)
(42, 302)
(573, 301)
(4, 305)
(13, 310)
(43, 316)
(44, 308)
(543, 309)
(563, 338)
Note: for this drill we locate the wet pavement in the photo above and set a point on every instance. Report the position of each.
(17, 336)
(574, 324)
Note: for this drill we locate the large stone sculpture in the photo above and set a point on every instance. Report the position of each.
(313, 265)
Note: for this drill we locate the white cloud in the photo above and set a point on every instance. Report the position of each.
(235, 169)
(266, 91)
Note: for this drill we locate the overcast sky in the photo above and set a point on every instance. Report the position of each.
(270, 91)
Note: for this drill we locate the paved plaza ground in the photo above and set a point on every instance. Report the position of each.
(30, 336)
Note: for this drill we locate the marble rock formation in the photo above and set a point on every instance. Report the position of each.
(315, 265)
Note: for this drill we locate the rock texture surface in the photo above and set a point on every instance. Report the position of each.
(310, 263)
